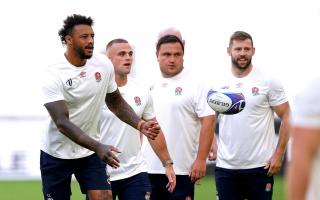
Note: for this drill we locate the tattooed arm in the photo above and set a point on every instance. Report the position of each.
(123, 111)
(60, 115)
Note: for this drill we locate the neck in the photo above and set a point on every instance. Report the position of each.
(74, 59)
(121, 80)
(240, 73)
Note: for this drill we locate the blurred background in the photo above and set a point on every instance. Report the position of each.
(285, 33)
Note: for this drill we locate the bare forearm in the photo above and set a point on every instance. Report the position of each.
(60, 115)
(298, 171)
(283, 137)
(206, 137)
(122, 109)
(77, 135)
(304, 149)
(159, 146)
(298, 177)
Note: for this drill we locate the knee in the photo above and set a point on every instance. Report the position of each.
(100, 195)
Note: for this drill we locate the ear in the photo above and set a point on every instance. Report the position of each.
(229, 51)
(253, 51)
(68, 39)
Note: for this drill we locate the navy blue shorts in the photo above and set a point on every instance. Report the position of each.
(137, 187)
(184, 187)
(243, 184)
(56, 175)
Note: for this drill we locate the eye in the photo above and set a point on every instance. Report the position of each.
(166, 54)
(177, 55)
(122, 53)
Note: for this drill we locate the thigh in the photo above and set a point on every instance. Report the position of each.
(158, 185)
(259, 184)
(184, 188)
(136, 187)
(56, 176)
(228, 184)
(91, 174)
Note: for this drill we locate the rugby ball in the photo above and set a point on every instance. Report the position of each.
(226, 103)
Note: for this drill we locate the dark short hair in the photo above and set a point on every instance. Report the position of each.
(116, 41)
(70, 22)
(169, 39)
(240, 35)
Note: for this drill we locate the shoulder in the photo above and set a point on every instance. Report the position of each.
(138, 85)
(102, 62)
(100, 59)
(266, 77)
(309, 92)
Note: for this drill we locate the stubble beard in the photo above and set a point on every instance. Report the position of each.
(236, 64)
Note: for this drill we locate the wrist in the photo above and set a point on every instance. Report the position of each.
(140, 125)
(167, 162)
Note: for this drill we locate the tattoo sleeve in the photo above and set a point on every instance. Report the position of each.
(122, 109)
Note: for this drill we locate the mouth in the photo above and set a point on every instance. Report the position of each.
(89, 49)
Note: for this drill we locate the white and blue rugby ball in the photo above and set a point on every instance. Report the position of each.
(226, 103)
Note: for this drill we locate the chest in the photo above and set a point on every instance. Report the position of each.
(255, 92)
(82, 85)
(173, 95)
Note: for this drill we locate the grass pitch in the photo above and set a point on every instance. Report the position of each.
(31, 190)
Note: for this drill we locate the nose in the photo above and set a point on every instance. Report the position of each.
(90, 39)
(172, 58)
(242, 52)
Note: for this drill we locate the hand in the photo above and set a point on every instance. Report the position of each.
(150, 129)
(171, 178)
(198, 170)
(213, 151)
(274, 164)
(105, 154)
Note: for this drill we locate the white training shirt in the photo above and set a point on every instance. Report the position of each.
(247, 139)
(179, 101)
(126, 138)
(306, 113)
(84, 90)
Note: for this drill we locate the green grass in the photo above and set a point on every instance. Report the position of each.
(31, 190)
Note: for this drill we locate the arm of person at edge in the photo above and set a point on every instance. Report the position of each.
(159, 146)
(214, 146)
(124, 112)
(213, 150)
(60, 115)
(198, 168)
(305, 144)
(274, 163)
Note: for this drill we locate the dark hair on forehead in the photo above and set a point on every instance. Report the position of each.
(116, 41)
(70, 22)
(240, 35)
(169, 39)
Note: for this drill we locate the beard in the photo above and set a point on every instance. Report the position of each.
(82, 53)
(239, 66)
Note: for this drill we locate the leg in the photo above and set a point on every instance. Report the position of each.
(228, 184)
(56, 177)
(260, 186)
(158, 185)
(92, 177)
(136, 187)
(184, 189)
(99, 194)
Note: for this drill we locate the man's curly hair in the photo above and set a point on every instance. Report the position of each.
(72, 21)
